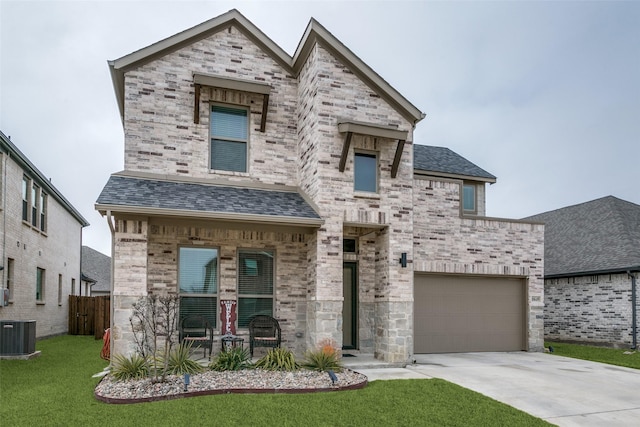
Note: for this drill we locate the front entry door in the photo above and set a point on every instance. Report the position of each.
(350, 305)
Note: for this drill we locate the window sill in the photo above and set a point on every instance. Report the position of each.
(40, 303)
(366, 195)
(228, 173)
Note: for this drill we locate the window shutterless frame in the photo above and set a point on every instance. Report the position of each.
(229, 137)
(256, 284)
(469, 198)
(365, 171)
(198, 282)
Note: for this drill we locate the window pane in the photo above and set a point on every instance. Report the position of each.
(39, 284)
(255, 275)
(365, 172)
(249, 307)
(228, 122)
(255, 282)
(469, 198)
(203, 306)
(198, 269)
(228, 155)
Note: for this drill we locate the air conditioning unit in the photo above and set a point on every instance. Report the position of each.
(17, 337)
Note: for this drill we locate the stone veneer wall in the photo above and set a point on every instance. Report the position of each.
(590, 309)
(446, 243)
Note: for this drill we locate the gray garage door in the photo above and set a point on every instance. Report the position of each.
(456, 314)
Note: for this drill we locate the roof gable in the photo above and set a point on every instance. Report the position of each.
(602, 235)
(441, 161)
(314, 33)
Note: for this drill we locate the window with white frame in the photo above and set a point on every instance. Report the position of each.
(43, 211)
(365, 172)
(255, 284)
(26, 184)
(40, 284)
(229, 128)
(35, 197)
(59, 289)
(198, 282)
(469, 203)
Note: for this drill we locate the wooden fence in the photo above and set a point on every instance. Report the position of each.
(89, 315)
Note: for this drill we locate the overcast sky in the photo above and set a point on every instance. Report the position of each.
(544, 95)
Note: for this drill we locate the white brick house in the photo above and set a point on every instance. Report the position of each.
(41, 240)
(293, 184)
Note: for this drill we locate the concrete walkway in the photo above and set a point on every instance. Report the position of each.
(560, 390)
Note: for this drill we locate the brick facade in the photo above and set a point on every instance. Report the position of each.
(56, 251)
(589, 309)
(301, 147)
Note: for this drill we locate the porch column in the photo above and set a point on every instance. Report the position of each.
(324, 294)
(129, 279)
(393, 297)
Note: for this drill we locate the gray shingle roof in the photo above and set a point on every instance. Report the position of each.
(602, 235)
(440, 159)
(97, 267)
(186, 196)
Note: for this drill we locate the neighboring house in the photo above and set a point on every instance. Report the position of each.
(96, 273)
(292, 185)
(591, 252)
(41, 240)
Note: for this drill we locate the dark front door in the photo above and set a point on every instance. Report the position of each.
(350, 305)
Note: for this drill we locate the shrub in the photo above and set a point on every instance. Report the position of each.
(325, 358)
(129, 368)
(278, 359)
(179, 362)
(233, 359)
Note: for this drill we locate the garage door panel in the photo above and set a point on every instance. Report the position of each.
(462, 314)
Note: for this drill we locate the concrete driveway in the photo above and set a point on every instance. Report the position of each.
(560, 390)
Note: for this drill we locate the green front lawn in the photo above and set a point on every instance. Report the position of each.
(612, 356)
(57, 389)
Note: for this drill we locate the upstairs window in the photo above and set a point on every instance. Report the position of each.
(229, 129)
(35, 191)
(26, 184)
(198, 282)
(43, 211)
(365, 172)
(255, 284)
(469, 204)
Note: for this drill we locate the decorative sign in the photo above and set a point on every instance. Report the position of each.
(228, 317)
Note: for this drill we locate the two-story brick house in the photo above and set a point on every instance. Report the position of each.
(291, 184)
(41, 240)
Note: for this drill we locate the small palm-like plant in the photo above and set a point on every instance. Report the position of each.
(233, 359)
(325, 358)
(278, 359)
(179, 361)
(129, 368)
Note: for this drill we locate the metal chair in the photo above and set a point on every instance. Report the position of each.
(196, 330)
(264, 331)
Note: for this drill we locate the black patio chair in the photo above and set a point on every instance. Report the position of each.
(196, 330)
(264, 331)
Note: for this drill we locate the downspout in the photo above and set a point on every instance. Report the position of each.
(111, 298)
(633, 310)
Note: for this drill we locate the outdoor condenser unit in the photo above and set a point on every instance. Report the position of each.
(17, 337)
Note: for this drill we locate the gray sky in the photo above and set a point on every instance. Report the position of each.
(544, 95)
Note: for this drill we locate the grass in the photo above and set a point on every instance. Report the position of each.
(611, 356)
(56, 389)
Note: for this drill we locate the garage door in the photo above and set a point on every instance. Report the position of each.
(455, 314)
